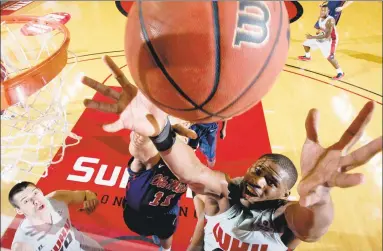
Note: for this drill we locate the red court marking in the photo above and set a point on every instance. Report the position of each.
(344, 89)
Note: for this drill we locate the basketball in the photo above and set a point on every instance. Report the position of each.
(206, 61)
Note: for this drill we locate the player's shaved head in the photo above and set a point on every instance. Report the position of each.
(19, 187)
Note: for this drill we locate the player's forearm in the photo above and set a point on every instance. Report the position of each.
(346, 4)
(196, 243)
(72, 197)
(183, 162)
(310, 224)
(323, 35)
(224, 125)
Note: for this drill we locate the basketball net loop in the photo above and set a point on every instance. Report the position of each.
(34, 69)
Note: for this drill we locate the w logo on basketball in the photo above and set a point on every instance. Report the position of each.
(252, 23)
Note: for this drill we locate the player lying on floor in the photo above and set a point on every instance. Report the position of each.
(47, 225)
(254, 213)
(153, 192)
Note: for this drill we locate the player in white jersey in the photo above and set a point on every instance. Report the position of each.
(47, 225)
(326, 41)
(254, 213)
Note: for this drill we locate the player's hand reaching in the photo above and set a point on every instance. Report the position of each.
(222, 134)
(323, 168)
(90, 204)
(136, 112)
(309, 36)
(184, 132)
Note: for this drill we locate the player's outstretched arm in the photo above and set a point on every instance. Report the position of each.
(345, 5)
(324, 168)
(183, 162)
(327, 33)
(223, 130)
(138, 114)
(85, 197)
(197, 240)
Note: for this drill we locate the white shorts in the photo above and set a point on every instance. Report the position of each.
(327, 47)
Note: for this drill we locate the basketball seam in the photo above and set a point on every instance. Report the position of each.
(217, 39)
(163, 70)
(121, 9)
(259, 73)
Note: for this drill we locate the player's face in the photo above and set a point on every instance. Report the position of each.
(324, 12)
(263, 181)
(31, 201)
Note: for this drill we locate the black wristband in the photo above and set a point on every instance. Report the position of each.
(166, 139)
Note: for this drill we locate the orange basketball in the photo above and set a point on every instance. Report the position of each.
(206, 61)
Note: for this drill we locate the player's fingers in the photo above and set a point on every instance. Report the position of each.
(311, 199)
(101, 106)
(118, 74)
(310, 183)
(88, 206)
(114, 127)
(84, 206)
(92, 206)
(183, 131)
(362, 155)
(103, 89)
(344, 180)
(311, 125)
(94, 203)
(355, 130)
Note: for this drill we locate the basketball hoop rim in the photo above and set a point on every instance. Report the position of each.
(42, 73)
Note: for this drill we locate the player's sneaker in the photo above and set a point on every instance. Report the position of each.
(338, 76)
(304, 58)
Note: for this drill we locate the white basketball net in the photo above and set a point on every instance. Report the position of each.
(33, 130)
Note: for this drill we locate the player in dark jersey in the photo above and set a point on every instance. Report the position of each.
(152, 192)
(207, 139)
(335, 10)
